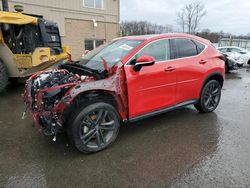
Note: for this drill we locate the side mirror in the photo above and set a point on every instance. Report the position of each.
(143, 61)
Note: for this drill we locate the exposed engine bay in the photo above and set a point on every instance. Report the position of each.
(49, 93)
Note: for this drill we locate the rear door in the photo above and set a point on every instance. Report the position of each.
(191, 64)
(153, 87)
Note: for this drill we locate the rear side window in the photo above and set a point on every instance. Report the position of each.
(200, 47)
(159, 50)
(187, 48)
(184, 48)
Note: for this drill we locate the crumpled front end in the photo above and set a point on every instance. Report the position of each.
(48, 95)
(43, 96)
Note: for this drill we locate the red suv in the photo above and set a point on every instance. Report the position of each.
(126, 80)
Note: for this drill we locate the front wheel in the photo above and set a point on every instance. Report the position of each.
(210, 97)
(3, 76)
(94, 128)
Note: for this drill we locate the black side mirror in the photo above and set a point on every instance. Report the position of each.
(242, 52)
(143, 61)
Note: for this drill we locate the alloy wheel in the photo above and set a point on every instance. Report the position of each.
(212, 96)
(97, 128)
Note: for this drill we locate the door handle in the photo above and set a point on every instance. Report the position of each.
(169, 69)
(202, 62)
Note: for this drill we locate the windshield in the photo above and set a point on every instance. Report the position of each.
(112, 53)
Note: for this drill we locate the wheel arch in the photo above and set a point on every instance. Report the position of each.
(101, 95)
(97, 94)
(214, 76)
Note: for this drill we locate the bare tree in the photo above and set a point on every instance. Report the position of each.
(142, 28)
(199, 13)
(190, 16)
(181, 20)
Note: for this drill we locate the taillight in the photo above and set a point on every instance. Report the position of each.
(221, 56)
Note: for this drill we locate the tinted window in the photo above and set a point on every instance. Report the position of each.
(200, 47)
(159, 50)
(185, 48)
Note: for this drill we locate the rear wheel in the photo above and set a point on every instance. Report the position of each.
(226, 68)
(94, 127)
(210, 97)
(3, 76)
(240, 65)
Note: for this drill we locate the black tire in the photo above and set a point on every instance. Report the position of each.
(94, 127)
(240, 65)
(4, 79)
(226, 68)
(210, 97)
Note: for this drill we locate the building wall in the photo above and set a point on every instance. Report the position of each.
(75, 21)
(79, 30)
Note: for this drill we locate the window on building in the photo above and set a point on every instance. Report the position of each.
(90, 44)
(99, 4)
(99, 43)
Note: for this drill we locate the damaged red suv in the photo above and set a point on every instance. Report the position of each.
(126, 80)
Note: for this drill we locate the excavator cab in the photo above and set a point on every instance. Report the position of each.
(27, 45)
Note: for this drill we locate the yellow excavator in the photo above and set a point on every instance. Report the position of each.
(28, 45)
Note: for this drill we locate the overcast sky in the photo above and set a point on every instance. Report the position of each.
(228, 15)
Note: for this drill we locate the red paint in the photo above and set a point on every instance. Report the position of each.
(145, 58)
(161, 85)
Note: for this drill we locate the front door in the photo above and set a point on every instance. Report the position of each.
(153, 87)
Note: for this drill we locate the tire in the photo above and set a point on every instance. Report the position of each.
(4, 79)
(240, 65)
(226, 68)
(210, 97)
(94, 127)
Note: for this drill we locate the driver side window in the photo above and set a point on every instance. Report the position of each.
(159, 50)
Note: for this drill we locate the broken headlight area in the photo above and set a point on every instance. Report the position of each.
(46, 90)
(44, 96)
(47, 94)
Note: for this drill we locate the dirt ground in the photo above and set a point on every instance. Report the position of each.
(182, 148)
